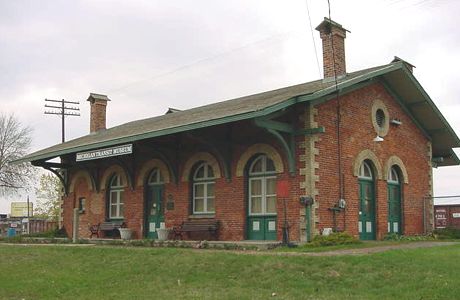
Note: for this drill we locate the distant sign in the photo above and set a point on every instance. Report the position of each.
(456, 215)
(103, 153)
(19, 209)
(440, 217)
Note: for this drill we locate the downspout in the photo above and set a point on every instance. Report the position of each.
(338, 134)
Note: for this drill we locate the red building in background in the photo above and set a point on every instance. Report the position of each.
(447, 214)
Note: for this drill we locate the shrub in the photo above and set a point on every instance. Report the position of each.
(48, 234)
(392, 237)
(336, 238)
(397, 237)
(447, 233)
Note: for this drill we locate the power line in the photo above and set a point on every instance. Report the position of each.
(201, 60)
(313, 39)
(62, 110)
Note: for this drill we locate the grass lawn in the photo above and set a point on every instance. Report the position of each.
(93, 272)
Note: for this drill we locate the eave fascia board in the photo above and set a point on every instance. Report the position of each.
(452, 156)
(455, 157)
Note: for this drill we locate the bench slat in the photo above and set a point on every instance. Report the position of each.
(198, 225)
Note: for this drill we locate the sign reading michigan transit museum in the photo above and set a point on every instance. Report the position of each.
(107, 152)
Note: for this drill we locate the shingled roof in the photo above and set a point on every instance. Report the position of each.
(234, 110)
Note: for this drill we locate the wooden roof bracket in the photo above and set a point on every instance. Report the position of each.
(58, 169)
(276, 128)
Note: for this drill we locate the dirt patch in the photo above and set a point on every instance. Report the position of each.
(358, 251)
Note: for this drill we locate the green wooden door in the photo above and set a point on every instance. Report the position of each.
(262, 210)
(366, 222)
(262, 227)
(394, 208)
(155, 211)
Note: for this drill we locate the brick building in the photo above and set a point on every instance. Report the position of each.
(447, 213)
(353, 152)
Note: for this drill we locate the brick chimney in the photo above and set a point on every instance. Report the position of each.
(98, 115)
(333, 36)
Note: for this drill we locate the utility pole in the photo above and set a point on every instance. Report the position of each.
(63, 110)
(28, 215)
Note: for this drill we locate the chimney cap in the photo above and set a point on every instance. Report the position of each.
(94, 97)
(328, 22)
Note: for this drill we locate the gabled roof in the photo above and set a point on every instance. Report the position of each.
(395, 75)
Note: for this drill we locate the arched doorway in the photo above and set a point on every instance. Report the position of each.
(262, 213)
(394, 201)
(366, 221)
(154, 204)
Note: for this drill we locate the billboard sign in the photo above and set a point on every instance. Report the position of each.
(19, 209)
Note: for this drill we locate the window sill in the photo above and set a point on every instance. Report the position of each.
(203, 216)
(116, 220)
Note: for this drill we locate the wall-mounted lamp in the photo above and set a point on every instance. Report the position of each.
(396, 122)
(378, 139)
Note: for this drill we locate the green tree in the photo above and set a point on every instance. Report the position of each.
(48, 194)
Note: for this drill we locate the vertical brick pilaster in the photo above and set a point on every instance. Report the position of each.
(310, 165)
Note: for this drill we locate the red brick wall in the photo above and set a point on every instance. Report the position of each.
(230, 197)
(357, 133)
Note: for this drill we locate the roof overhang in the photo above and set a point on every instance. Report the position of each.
(405, 88)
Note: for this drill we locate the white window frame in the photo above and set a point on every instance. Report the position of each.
(116, 188)
(205, 181)
(394, 172)
(263, 176)
(158, 177)
(365, 165)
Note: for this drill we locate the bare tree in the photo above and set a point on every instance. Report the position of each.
(15, 140)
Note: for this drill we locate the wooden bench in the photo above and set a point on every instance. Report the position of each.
(108, 226)
(209, 226)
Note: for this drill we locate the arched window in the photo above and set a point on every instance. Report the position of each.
(393, 176)
(365, 171)
(116, 202)
(155, 177)
(203, 189)
(262, 186)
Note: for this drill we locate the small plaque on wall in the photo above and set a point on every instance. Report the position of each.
(170, 205)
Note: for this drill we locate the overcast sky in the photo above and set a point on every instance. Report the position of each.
(151, 55)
